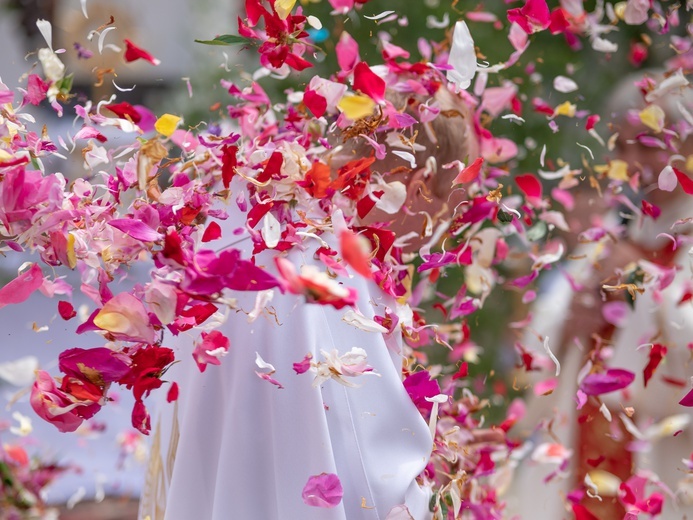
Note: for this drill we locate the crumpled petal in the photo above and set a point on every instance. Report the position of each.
(324, 490)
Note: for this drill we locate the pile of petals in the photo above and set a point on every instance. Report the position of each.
(166, 197)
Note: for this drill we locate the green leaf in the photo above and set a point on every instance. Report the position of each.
(504, 216)
(537, 231)
(227, 39)
(65, 84)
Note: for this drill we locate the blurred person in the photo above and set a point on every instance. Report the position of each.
(232, 444)
(618, 444)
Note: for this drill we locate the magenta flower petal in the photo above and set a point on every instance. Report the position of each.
(419, 386)
(19, 289)
(136, 229)
(604, 382)
(687, 399)
(324, 490)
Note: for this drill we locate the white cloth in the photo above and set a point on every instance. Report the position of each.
(235, 446)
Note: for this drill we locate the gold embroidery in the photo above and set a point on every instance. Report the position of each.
(173, 444)
(154, 487)
(159, 474)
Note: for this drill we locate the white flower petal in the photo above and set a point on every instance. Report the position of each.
(462, 57)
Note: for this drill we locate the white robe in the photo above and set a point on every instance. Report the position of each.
(235, 446)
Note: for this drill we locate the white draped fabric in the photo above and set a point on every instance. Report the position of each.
(236, 446)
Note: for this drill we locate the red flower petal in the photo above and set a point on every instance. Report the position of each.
(228, 164)
(254, 10)
(125, 110)
(172, 393)
(685, 181)
(470, 173)
(316, 103)
(368, 82)
(134, 53)
(274, 165)
(582, 513)
(657, 353)
(66, 310)
(529, 185)
(212, 232)
(591, 121)
(534, 16)
(353, 253)
(651, 210)
(558, 22)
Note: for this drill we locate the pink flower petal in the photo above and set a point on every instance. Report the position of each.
(609, 381)
(347, 51)
(324, 490)
(615, 312)
(19, 289)
(136, 229)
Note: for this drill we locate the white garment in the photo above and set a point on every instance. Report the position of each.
(235, 446)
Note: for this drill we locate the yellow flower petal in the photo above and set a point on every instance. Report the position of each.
(356, 107)
(71, 256)
(284, 7)
(565, 109)
(689, 164)
(607, 483)
(618, 170)
(653, 117)
(112, 321)
(167, 124)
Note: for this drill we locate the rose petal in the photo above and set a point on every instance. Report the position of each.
(324, 490)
